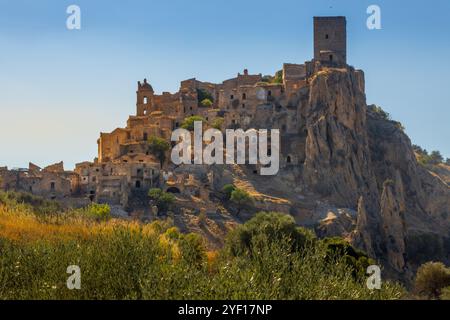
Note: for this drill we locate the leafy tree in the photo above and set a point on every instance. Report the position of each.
(419, 150)
(356, 259)
(203, 94)
(241, 198)
(436, 157)
(158, 147)
(447, 162)
(206, 103)
(381, 112)
(431, 278)
(278, 77)
(228, 190)
(273, 227)
(163, 200)
(188, 123)
(217, 123)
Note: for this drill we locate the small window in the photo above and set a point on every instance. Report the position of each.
(138, 184)
(231, 97)
(327, 36)
(243, 106)
(244, 96)
(269, 93)
(289, 160)
(145, 136)
(145, 100)
(52, 186)
(331, 57)
(139, 171)
(94, 179)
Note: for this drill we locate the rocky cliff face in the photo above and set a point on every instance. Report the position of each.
(356, 158)
(356, 175)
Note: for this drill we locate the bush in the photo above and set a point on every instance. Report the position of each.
(203, 94)
(228, 190)
(378, 110)
(37, 204)
(274, 226)
(158, 147)
(206, 103)
(188, 123)
(431, 278)
(218, 123)
(98, 211)
(163, 200)
(445, 294)
(357, 260)
(436, 157)
(240, 198)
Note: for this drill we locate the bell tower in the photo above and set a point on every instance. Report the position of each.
(144, 96)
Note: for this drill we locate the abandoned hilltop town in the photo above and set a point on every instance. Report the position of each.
(126, 169)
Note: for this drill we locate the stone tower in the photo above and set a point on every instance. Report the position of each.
(330, 40)
(144, 96)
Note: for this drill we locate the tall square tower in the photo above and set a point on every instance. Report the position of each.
(330, 40)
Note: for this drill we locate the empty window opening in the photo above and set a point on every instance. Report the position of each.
(331, 57)
(231, 97)
(138, 184)
(244, 96)
(289, 160)
(52, 186)
(269, 93)
(145, 136)
(145, 100)
(243, 106)
(327, 36)
(173, 190)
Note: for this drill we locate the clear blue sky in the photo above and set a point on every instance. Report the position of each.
(60, 88)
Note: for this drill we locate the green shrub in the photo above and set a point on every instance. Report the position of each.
(98, 211)
(228, 189)
(218, 123)
(274, 226)
(188, 123)
(431, 278)
(357, 260)
(158, 147)
(206, 103)
(203, 94)
(163, 200)
(241, 198)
